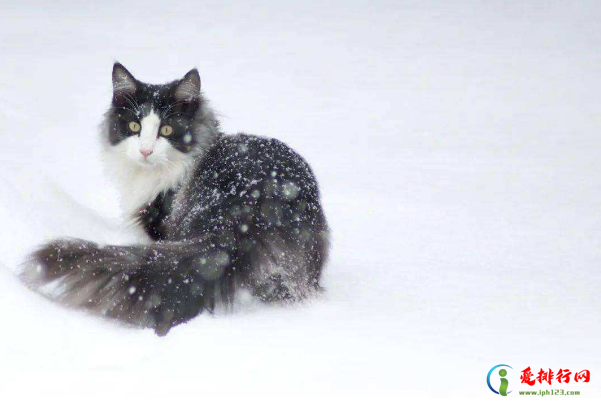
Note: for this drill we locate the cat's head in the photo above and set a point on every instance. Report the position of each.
(158, 125)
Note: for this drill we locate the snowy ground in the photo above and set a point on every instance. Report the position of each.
(457, 145)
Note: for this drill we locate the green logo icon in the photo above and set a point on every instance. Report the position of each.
(504, 382)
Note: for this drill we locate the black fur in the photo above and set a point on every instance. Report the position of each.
(152, 216)
(248, 216)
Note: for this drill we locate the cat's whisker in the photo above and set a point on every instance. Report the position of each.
(128, 109)
(179, 113)
(172, 105)
(132, 101)
(127, 98)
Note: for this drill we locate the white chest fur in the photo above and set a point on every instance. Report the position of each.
(140, 182)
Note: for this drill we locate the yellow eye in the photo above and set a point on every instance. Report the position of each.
(166, 130)
(134, 126)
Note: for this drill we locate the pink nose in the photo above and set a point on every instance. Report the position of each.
(145, 153)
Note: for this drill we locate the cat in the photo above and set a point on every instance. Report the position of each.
(222, 213)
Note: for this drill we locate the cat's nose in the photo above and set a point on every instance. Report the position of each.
(145, 152)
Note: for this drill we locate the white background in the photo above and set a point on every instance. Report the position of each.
(458, 149)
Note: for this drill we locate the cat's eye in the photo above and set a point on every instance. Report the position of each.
(134, 126)
(166, 130)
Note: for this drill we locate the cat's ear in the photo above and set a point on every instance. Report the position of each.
(123, 80)
(188, 88)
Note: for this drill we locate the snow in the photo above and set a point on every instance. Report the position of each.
(457, 148)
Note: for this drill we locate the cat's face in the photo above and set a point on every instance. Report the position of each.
(157, 125)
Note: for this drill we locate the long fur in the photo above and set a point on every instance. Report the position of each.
(157, 286)
(226, 212)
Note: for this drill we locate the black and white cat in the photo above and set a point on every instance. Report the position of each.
(225, 212)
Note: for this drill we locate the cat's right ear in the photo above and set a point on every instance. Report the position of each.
(123, 81)
(188, 88)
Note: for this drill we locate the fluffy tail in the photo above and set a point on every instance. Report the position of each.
(157, 286)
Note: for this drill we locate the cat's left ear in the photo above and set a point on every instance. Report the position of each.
(123, 80)
(188, 88)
